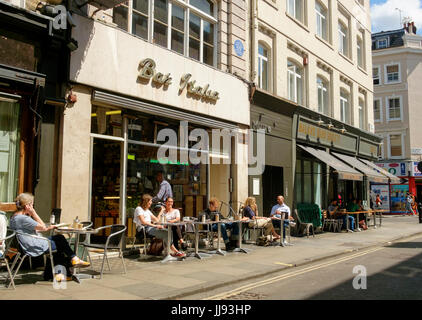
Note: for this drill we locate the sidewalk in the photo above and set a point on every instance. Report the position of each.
(154, 280)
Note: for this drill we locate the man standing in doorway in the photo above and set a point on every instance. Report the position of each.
(280, 213)
(165, 189)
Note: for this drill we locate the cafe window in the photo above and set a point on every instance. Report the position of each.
(9, 149)
(309, 182)
(188, 27)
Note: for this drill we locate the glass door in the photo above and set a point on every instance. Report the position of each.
(106, 184)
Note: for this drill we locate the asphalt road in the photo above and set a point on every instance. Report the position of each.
(392, 273)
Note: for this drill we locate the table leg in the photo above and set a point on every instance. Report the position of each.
(77, 272)
(168, 257)
(218, 251)
(197, 254)
(357, 223)
(240, 249)
(375, 220)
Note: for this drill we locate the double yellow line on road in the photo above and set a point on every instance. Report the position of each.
(250, 286)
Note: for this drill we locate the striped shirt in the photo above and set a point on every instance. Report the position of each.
(165, 192)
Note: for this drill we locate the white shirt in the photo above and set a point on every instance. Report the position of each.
(174, 214)
(282, 208)
(139, 211)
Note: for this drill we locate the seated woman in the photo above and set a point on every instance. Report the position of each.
(173, 215)
(27, 221)
(144, 217)
(251, 211)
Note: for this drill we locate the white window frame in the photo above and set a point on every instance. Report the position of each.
(387, 108)
(188, 8)
(361, 108)
(297, 77)
(292, 11)
(319, 20)
(343, 39)
(386, 75)
(379, 75)
(344, 101)
(378, 43)
(262, 58)
(324, 86)
(389, 145)
(360, 52)
(381, 113)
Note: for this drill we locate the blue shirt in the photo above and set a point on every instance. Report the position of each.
(248, 212)
(25, 224)
(282, 208)
(165, 192)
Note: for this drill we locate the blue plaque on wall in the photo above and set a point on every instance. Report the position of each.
(238, 48)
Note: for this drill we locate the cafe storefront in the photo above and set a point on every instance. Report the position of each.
(330, 161)
(127, 111)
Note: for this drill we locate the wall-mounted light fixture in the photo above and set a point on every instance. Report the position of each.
(343, 130)
(330, 126)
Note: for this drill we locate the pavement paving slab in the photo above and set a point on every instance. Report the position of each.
(151, 279)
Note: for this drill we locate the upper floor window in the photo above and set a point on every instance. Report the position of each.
(343, 39)
(188, 27)
(263, 67)
(376, 76)
(377, 110)
(295, 82)
(323, 97)
(295, 8)
(360, 52)
(394, 108)
(396, 145)
(321, 20)
(361, 114)
(344, 107)
(392, 73)
(382, 43)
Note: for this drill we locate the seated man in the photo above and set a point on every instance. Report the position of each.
(281, 212)
(210, 212)
(334, 213)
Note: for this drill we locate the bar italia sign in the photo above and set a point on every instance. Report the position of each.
(148, 72)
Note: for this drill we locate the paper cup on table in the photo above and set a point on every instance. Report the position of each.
(217, 217)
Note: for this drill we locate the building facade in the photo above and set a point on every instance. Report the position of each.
(315, 56)
(396, 69)
(145, 69)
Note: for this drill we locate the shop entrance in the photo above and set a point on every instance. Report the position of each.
(106, 173)
(272, 183)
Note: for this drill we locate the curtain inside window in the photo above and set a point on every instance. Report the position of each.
(9, 150)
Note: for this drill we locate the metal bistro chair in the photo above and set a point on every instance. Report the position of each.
(10, 235)
(142, 236)
(25, 255)
(302, 226)
(331, 223)
(113, 242)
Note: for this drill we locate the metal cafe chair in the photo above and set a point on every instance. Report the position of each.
(141, 235)
(113, 243)
(25, 255)
(10, 235)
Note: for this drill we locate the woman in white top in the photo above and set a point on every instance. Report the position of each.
(144, 217)
(173, 215)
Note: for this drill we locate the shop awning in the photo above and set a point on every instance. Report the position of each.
(344, 171)
(373, 176)
(393, 178)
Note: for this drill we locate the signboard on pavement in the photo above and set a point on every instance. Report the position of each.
(384, 193)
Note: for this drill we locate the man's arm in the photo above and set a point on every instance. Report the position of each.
(160, 193)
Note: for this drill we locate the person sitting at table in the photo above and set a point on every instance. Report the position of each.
(143, 217)
(281, 212)
(173, 215)
(210, 213)
(334, 212)
(250, 211)
(26, 221)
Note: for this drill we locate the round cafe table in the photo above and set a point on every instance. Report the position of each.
(77, 233)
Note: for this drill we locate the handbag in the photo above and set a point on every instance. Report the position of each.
(156, 247)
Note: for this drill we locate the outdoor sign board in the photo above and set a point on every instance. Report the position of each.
(310, 132)
(398, 169)
(384, 193)
(367, 148)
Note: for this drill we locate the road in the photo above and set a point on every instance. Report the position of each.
(392, 272)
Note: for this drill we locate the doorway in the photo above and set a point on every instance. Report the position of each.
(272, 183)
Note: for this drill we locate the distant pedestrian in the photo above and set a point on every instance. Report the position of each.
(409, 204)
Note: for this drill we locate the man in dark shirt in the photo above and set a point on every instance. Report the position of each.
(210, 214)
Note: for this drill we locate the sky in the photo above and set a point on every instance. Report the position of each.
(385, 17)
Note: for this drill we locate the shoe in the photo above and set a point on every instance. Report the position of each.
(184, 245)
(78, 263)
(229, 247)
(179, 255)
